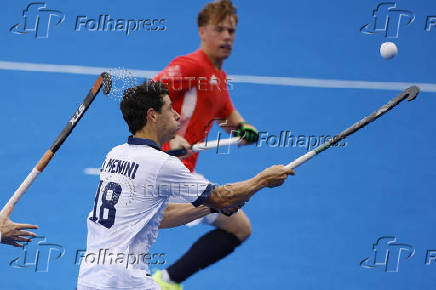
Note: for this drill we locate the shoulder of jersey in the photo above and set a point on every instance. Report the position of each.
(190, 62)
(124, 147)
(117, 148)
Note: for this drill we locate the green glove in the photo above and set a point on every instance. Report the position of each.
(247, 133)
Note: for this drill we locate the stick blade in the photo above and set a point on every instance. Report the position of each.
(107, 82)
(413, 91)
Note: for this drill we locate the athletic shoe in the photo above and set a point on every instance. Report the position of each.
(157, 277)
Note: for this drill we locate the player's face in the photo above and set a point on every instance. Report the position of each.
(218, 38)
(169, 120)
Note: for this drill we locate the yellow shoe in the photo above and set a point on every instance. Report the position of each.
(157, 277)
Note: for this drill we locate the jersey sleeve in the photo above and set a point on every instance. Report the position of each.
(227, 108)
(175, 180)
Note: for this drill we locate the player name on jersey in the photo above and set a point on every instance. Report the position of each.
(125, 168)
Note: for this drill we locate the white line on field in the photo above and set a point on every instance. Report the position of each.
(263, 80)
(92, 171)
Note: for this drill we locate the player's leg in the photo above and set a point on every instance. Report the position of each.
(215, 245)
(237, 224)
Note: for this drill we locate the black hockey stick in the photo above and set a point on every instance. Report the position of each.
(105, 81)
(409, 93)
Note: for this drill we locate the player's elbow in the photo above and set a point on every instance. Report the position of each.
(220, 198)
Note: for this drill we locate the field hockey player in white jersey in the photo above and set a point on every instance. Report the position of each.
(136, 181)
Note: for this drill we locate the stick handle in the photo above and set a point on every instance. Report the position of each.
(206, 146)
(20, 191)
(216, 143)
(177, 152)
(300, 160)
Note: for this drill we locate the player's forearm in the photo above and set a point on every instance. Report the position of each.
(177, 214)
(232, 195)
(232, 121)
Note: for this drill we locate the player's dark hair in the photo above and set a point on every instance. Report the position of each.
(138, 100)
(215, 12)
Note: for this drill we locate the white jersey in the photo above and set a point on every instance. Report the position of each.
(136, 182)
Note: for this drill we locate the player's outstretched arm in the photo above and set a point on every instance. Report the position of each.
(236, 125)
(178, 214)
(12, 233)
(236, 194)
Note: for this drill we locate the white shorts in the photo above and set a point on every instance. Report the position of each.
(207, 219)
(154, 287)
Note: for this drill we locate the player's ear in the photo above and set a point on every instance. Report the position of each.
(201, 31)
(152, 115)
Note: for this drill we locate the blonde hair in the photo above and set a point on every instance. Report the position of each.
(215, 12)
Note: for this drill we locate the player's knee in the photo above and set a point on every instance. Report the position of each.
(242, 228)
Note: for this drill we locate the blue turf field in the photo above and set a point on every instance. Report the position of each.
(313, 232)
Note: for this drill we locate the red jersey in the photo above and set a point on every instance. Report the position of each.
(199, 94)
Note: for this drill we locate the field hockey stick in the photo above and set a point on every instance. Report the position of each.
(409, 93)
(105, 81)
(206, 146)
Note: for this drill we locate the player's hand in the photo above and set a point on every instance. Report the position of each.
(248, 133)
(232, 210)
(13, 233)
(229, 210)
(275, 175)
(179, 142)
